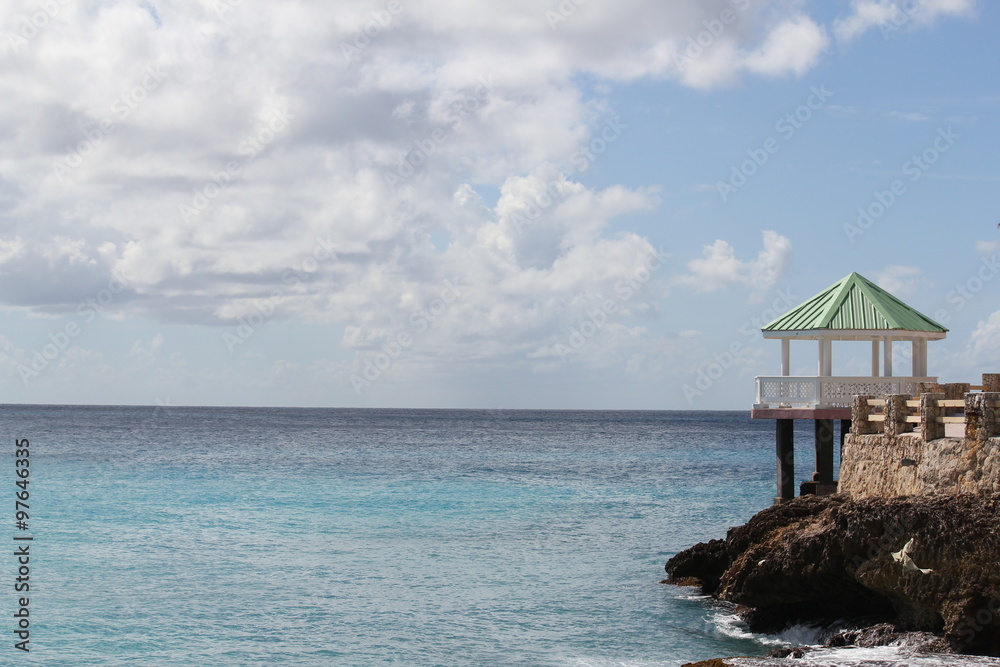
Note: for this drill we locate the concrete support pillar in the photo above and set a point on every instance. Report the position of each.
(875, 358)
(915, 358)
(828, 358)
(981, 416)
(887, 356)
(845, 428)
(785, 446)
(930, 429)
(859, 416)
(786, 357)
(824, 450)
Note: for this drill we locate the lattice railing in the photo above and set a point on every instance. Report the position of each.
(797, 391)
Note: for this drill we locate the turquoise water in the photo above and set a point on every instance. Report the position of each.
(190, 536)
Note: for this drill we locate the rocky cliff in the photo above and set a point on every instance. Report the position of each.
(925, 563)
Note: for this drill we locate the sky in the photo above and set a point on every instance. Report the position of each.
(568, 204)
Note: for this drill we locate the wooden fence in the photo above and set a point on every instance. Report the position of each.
(931, 411)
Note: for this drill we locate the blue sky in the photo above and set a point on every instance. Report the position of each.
(499, 205)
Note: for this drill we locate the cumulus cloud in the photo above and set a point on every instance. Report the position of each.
(343, 161)
(719, 268)
(902, 281)
(793, 46)
(890, 16)
(984, 343)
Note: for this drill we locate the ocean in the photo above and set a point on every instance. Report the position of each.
(271, 536)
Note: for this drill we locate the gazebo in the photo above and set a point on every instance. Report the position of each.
(852, 309)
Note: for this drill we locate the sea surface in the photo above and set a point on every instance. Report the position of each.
(248, 536)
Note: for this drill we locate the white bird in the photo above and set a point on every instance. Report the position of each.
(903, 558)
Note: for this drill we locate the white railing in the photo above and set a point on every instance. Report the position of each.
(804, 391)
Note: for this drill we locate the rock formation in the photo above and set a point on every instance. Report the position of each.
(826, 559)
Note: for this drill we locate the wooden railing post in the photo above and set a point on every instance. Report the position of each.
(860, 410)
(930, 428)
(980, 416)
(896, 413)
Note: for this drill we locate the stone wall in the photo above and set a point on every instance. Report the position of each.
(904, 465)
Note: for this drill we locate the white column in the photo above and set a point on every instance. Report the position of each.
(828, 358)
(923, 357)
(887, 354)
(875, 357)
(786, 356)
(821, 349)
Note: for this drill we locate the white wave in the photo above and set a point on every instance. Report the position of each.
(693, 595)
(731, 625)
(610, 662)
(890, 655)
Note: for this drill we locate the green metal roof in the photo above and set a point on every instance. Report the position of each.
(854, 302)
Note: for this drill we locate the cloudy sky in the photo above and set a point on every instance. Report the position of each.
(561, 203)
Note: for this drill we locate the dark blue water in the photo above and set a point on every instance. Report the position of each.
(238, 536)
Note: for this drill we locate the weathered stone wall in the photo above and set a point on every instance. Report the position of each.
(882, 466)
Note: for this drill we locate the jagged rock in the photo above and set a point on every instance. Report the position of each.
(796, 652)
(820, 559)
(887, 634)
(703, 564)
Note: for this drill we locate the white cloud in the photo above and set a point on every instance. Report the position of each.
(719, 268)
(866, 14)
(893, 15)
(793, 46)
(987, 247)
(983, 348)
(213, 160)
(902, 281)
